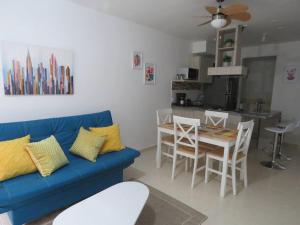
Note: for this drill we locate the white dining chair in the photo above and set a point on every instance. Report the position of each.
(236, 156)
(164, 116)
(186, 144)
(216, 118)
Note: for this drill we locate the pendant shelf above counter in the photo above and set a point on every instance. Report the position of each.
(233, 51)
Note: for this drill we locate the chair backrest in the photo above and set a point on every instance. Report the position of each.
(164, 116)
(186, 132)
(290, 126)
(216, 118)
(242, 144)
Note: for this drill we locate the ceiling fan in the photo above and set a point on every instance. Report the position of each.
(222, 16)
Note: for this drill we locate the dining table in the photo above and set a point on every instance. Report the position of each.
(217, 136)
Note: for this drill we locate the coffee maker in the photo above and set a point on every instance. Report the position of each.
(180, 99)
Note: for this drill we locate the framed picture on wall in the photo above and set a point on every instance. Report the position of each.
(35, 70)
(149, 74)
(291, 73)
(137, 60)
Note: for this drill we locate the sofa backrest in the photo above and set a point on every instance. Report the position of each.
(65, 129)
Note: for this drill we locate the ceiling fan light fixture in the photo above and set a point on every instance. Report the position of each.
(219, 21)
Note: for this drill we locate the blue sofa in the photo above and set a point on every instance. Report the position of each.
(29, 197)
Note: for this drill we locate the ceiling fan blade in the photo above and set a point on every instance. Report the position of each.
(202, 24)
(235, 9)
(211, 9)
(245, 16)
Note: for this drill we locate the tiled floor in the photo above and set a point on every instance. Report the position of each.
(272, 196)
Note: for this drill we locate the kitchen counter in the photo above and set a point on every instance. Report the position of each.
(259, 115)
(198, 112)
(200, 108)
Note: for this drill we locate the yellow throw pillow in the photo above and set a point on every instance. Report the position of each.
(47, 155)
(113, 138)
(14, 160)
(88, 144)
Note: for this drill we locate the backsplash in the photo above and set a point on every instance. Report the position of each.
(186, 85)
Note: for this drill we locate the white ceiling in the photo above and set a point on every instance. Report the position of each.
(278, 18)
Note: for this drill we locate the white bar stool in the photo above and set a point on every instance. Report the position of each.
(278, 131)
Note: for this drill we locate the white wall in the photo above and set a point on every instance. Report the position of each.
(102, 47)
(285, 96)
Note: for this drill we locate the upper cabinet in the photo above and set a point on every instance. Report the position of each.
(202, 63)
(203, 48)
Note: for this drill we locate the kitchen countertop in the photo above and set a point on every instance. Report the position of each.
(203, 108)
(260, 115)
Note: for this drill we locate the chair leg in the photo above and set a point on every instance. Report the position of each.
(220, 166)
(174, 166)
(194, 172)
(191, 162)
(242, 171)
(245, 173)
(280, 154)
(186, 164)
(233, 177)
(206, 169)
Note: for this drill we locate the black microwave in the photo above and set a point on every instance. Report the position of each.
(188, 73)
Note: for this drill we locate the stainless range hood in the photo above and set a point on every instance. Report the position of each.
(228, 45)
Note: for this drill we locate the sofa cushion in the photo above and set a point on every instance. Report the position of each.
(87, 144)
(14, 160)
(47, 155)
(113, 141)
(31, 186)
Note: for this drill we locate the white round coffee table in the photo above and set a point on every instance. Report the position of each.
(119, 204)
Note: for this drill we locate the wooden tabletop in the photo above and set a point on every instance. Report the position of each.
(219, 133)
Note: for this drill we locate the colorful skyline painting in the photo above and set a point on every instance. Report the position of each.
(33, 70)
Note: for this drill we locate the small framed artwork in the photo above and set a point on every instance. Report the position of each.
(149, 74)
(137, 60)
(291, 74)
